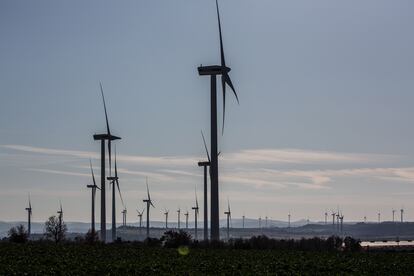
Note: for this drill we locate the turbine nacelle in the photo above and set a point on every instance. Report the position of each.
(213, 70)
(105, 137)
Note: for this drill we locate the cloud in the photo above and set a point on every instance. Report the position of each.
(58, 172)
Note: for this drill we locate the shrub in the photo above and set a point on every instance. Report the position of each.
(18, 234)
(352, 245)
(173, 239)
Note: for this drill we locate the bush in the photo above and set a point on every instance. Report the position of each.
(173, 239)
(18, 234)
(352, 245)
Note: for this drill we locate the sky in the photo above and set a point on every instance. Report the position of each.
(325, 88)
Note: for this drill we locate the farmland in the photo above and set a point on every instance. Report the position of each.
(123, 259)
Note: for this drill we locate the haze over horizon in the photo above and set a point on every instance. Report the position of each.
(325, 88)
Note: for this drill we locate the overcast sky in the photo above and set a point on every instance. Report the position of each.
(326, 90)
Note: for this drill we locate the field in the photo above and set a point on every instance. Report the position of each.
(124, 259)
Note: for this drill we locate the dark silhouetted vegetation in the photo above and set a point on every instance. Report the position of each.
(55, 229)
(18, 234)
(174, 239)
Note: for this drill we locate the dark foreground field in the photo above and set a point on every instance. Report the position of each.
(127, 259)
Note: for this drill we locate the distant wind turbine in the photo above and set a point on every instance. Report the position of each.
(205, 165)
(93, 187)
(178, 215)
(124, 214)
(60, 215)
(149, 204)
(195, 208)
(186, 220)
(243, 217)
(115, 182)
(166, 218)
(140, 218)
(326, 217)
(402, 215)
(213, 71)
(228, 214)
(29, 218)
(104, 137)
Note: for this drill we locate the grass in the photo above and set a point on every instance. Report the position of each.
(129, 259)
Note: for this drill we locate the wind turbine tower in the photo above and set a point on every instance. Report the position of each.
(104, 137)
(379, 217)
(149, 203)
(326, 217)
(213, 71)
(29, 218)
(243, 220)
(402, 215)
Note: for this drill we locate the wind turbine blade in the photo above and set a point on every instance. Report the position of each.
(119, 191)
(223, 62)
(106, 114)
(116, 170)
(148, 194)
(93, 176)
(228, 81)
(30, 204)
(205, 146)
(223, 85)
(109, 155)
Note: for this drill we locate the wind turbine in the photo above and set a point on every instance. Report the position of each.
(260, 222)
(393, 215)
(93, 187)
(149, 204)
(341, 217)
(124, 213)
(178, 215)
(140, 218)
(213, 71)
(29, 218)
(228, 214)
(60, 215)
(103, 137)
(333, 219)
(115, 182)
(289, 220)
(243, 217)
(402, 215)
(195, 216)
(379, 217)
(166, 218)
(326, 217)
(186, 220)
(205, 164)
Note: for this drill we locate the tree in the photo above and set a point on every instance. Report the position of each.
(55, 229)
(18, 234)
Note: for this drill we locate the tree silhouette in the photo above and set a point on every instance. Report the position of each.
(18, 234)
(55, 229)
